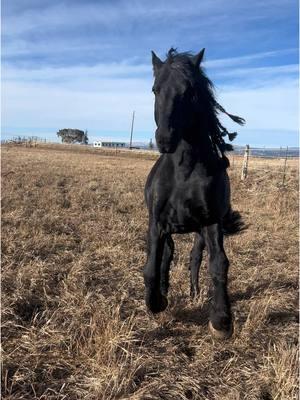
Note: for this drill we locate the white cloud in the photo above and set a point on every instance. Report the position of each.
(260, 73)
(265, 108)
(96, 98)
(107, 110)
(246, 59)
(30, 30)
(105, 14)
(103, 96)
(76, 74)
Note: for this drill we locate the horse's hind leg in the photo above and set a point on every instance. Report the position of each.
(220, 316)
(156, 301)
(167, 257)
(195, 262)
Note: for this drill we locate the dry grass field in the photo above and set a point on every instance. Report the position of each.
(74, 320)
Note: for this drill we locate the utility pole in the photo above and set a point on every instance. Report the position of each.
(130, 144)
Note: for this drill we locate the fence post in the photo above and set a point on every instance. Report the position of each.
(284, 166)
(245, 163)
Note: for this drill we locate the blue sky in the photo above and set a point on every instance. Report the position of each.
(87, 64)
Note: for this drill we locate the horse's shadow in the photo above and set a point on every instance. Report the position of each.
(252, 291)
(187, 313)
(199, 314)
(275, 316)
(283, 317)
(195, 315)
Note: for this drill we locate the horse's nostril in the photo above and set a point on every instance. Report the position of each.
(164, 135)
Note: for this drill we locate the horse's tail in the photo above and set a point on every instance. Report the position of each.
(233, 223)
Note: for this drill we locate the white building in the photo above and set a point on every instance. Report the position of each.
(100, 143)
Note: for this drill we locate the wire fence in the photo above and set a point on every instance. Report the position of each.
(280, 162)
(27, 141)
(244, 159)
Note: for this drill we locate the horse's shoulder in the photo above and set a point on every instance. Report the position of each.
(158, 174)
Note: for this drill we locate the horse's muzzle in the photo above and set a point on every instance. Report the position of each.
(166, 140)
(166, 148)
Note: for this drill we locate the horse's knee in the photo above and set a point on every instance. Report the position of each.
(218, 265)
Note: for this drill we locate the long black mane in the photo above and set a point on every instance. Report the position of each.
(204, 96)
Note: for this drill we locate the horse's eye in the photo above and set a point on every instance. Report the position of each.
(155, 90)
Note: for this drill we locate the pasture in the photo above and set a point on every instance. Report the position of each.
(74, 321)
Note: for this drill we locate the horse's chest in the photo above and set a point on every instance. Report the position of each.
(186, 210)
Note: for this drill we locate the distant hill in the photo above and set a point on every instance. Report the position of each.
(239, 150)
(265, 152)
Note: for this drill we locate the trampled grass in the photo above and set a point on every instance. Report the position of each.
(74, 320)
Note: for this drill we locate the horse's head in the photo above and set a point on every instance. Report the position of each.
(174, 88)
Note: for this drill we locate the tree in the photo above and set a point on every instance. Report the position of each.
(73, 136)
(85, 138)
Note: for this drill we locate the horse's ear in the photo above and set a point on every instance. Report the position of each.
(156, 62)
(198, 58)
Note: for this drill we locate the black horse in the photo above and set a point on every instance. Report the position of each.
(188, 188)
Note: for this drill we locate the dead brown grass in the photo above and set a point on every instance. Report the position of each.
(74, 321)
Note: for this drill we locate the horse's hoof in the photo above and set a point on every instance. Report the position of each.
(156, 303)
(220, 334)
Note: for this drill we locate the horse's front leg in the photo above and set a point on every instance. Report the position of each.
(167, 258)
(155, 300)
(195, 262)
(220, 316)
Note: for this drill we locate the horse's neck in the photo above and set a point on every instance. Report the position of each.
(191, 153)
(188, 156)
